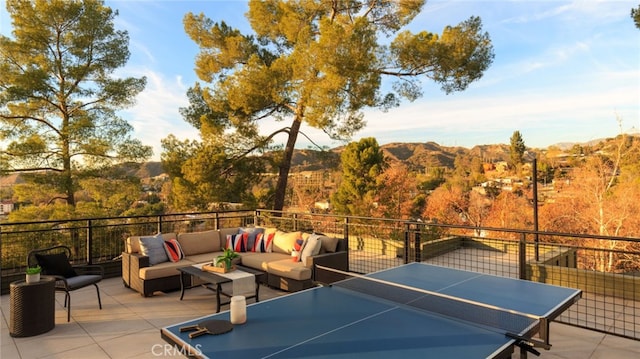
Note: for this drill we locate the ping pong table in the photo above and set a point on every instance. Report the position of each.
(416, 311)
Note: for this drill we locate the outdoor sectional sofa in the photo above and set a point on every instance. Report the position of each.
(143, 272)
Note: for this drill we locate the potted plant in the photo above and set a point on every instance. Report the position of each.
(33, 274)
(225, 259)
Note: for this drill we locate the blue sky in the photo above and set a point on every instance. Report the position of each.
(563, 72)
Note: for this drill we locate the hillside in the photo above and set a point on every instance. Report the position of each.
(417, 156)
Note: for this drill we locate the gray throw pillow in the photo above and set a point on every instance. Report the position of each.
(153, 247)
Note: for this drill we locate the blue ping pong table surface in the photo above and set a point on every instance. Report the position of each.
(332, 321)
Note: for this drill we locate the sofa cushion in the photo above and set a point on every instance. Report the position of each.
(260, 260)
(311, 248)
(264, 243)
(237, 242)
(288, 269)
(153, 247)
(161, 270)
(329, 244)
(204, 257)
(283, 242)
(252, 233)
(224, 232)
(133, 242)
(174, 252)
(199, 242)
(298, 246)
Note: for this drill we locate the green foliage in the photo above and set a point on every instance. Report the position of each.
(58, 98)
(205, 173)
(516, 149)
(227, 257)
(362, 162)
(468, 172)
(635, 15)
(322, 63)
(34, 270)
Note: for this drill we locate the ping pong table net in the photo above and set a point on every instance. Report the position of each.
(516, 325)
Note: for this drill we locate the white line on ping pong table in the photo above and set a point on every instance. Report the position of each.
(330, 331)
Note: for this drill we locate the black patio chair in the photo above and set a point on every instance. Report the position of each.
(56, 261)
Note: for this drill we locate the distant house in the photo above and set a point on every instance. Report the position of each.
(6, 207)
(322, 205)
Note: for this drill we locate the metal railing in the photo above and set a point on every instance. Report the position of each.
(607, 269)
(100, 240)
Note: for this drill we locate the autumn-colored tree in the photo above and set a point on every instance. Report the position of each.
(59, 101)
(321, 63)
(600, 199)
(397, 195)
(446, 204)
(509, 210)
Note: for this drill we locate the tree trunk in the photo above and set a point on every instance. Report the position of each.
(67, 175)
(285, 165)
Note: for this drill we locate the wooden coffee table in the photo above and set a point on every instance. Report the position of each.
(214, 282)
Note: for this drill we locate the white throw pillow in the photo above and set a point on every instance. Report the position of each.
(311, 248)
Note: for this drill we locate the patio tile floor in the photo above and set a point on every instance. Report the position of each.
(129, 325)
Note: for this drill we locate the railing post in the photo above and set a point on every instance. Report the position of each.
(522, 257)
(346, 238)
(417, 241)
(295, 222)
(160, 224)
(89, 242)
(216, 221)
(407, 243)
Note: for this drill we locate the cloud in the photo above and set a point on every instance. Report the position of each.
(156, 113)
(586, 108)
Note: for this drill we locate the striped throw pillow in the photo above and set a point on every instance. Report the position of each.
(237, 242)
(173, 249)
(263, 243)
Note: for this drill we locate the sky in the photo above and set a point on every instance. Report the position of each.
(564, 71)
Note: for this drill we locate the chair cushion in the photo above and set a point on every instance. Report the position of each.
(83, 281)
(56, 264)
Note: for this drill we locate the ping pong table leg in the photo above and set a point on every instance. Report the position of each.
(544, 332)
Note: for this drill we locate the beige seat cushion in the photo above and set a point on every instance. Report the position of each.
(260, 260)
(199, 242)
(203, 257)
(162, 270)
(289, 269)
